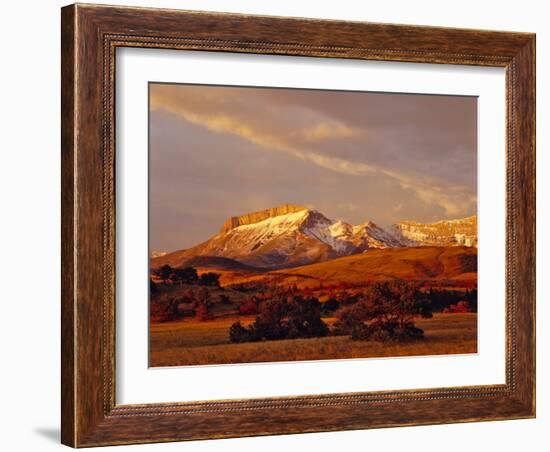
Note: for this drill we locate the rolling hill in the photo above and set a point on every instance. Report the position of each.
(449, 265)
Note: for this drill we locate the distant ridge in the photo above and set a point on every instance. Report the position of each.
(461, 232)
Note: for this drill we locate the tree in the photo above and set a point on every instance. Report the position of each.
(209, 279)
(164, 309)
(249, 306)
(202, 313)
(188, 297)
(304, 319)
(269, 322)
(224, 299)
(459, 308)
(331, 305)
(239, 334)
(165, 273)
(187, 275)
(152, 287)
(386, 312)
(202, 305)
(282, 317)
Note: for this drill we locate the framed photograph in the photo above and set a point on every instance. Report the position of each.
(282, 225)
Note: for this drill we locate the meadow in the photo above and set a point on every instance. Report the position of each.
(192, 342)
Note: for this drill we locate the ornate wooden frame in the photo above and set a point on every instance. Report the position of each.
(90, 35)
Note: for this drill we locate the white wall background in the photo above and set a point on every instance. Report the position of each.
(29, 230)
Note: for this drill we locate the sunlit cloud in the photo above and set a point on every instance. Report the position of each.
(329, 131)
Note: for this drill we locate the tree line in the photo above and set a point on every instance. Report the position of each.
(383, 312)
(165, 307)
(186, 275)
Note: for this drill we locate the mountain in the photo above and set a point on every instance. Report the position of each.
(462, 232)
(290, 236)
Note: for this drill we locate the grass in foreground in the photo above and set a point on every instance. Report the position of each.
(191, 342)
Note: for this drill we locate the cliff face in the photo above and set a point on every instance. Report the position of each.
(256, 217)
(462, 232)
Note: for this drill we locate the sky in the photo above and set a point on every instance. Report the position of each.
(222, 151)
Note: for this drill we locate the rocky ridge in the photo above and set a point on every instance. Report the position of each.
(289, 236)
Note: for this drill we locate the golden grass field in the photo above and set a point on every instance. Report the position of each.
(457, 265)
(191, 342)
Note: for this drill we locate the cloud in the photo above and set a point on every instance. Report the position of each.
(308, 135)
(326, 130)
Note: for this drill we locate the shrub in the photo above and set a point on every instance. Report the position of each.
(409, 332)
(459, 308)
(239, 334)
(202, 312)
(269, 322)
(165, 273)
(331, 305)
(361, 332)
(381, 334)
(349, 316)
(385, 313)
(304, 319)
(224, 299)
(249, 306)
(164, 309)
(152, 287)
(187, 275)
(209, 279)
(446, 300)
(202, 305)
(283, 317)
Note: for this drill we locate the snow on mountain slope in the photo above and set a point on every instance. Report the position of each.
(368, 235)
(289, 236)
(461, 232)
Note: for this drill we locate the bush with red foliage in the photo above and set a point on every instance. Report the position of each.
(459, 308)
(202, 305)
(202, 313)
(164, 309)
(249, 306)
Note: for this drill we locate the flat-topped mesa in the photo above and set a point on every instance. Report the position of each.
(255, 217)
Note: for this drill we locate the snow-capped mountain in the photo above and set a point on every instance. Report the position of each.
(290, 236)
(462, 232)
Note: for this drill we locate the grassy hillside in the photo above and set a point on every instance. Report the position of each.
(445, 264)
